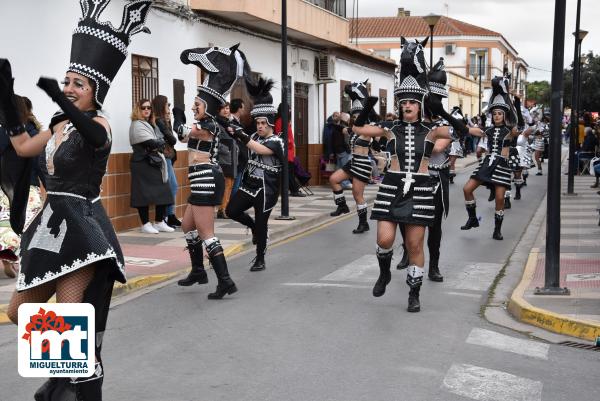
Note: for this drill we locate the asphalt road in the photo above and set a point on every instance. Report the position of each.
(308, 328)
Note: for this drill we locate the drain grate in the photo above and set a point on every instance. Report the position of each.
(574, 344)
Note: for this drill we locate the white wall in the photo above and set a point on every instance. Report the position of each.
(43, 48)
(347, 71)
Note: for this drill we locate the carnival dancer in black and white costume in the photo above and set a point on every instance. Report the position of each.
(494, 171)
(359, 167)
(406, 194)
(222, 66)
(539, 143)
(457, 150)
(519, 158)
(525, 151)
(260, 181)
(70, 249)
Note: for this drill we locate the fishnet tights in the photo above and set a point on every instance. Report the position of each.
(415, 236)
(68, 288)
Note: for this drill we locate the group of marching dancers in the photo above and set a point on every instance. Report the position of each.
(421, 146)
(70, 249)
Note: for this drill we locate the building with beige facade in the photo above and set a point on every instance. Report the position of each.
(458, 42)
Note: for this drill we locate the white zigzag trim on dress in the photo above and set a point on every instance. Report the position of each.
(65, 269)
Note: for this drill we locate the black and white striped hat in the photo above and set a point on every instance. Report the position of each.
(98, 49)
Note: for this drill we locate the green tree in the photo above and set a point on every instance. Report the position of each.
(539, 91)
(590, 83)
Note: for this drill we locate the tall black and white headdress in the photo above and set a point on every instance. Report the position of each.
(262, 99)
(500, 99)
(358, 93)
(222, 67)
(98, 49)
(438, 79)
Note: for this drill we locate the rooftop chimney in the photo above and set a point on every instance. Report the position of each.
(403, 13)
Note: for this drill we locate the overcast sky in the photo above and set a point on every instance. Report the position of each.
(526, 24)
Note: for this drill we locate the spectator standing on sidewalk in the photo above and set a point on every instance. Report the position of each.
(340, 138)
(238, 109)
(162, 113)
(328, 133)
(149, 170)
(294, 187)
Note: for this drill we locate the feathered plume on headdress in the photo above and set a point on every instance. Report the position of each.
(263, 101)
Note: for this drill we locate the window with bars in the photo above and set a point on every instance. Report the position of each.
(144, 74)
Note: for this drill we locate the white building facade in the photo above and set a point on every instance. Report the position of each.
(40, 46)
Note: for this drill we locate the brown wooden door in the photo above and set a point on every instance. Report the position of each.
(301, 123)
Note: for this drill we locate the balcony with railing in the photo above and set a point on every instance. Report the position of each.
(318, 22)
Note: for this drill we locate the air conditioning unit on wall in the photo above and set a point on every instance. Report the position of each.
(326, 73)
(450, 48)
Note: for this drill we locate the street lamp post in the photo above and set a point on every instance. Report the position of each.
(579, 35)
(552, 262)
(285, 213)
(480, 54)
(431, 20)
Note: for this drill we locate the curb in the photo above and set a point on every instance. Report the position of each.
(140, 282)
(523, 311)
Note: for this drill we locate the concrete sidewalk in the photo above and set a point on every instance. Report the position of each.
(578, 314)
(154, 258)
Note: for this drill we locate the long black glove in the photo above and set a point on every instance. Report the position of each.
(9, 108)
(363, 117)
(93, 132)
(178, 120)
(520, 119)
(437, 109)
(239, 134)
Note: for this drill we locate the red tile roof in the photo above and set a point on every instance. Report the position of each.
(413, 26)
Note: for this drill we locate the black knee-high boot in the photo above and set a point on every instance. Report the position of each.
(498, 218)
(384, 257)
(197, 274)
(403, 264)
(414, 279)
(340, 201)
(72, 389)
(507, 204)
(363, 225)
(518, 191)
(472, 211)
(217, 259)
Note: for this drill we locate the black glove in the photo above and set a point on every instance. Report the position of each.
(363, 117)
(434, 104)
(239, 134)
(520, 119)
(92, 131)
(8, 104)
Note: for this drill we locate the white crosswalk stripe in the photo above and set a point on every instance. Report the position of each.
(491, 339)
(484, 384)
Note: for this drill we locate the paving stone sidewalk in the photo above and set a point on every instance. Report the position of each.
(577, 314)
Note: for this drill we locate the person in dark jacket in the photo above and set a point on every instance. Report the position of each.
(162, 115)
(149, 171)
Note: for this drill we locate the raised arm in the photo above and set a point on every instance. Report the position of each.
(93, 130)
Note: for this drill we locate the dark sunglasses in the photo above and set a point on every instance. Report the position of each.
(146, 107)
